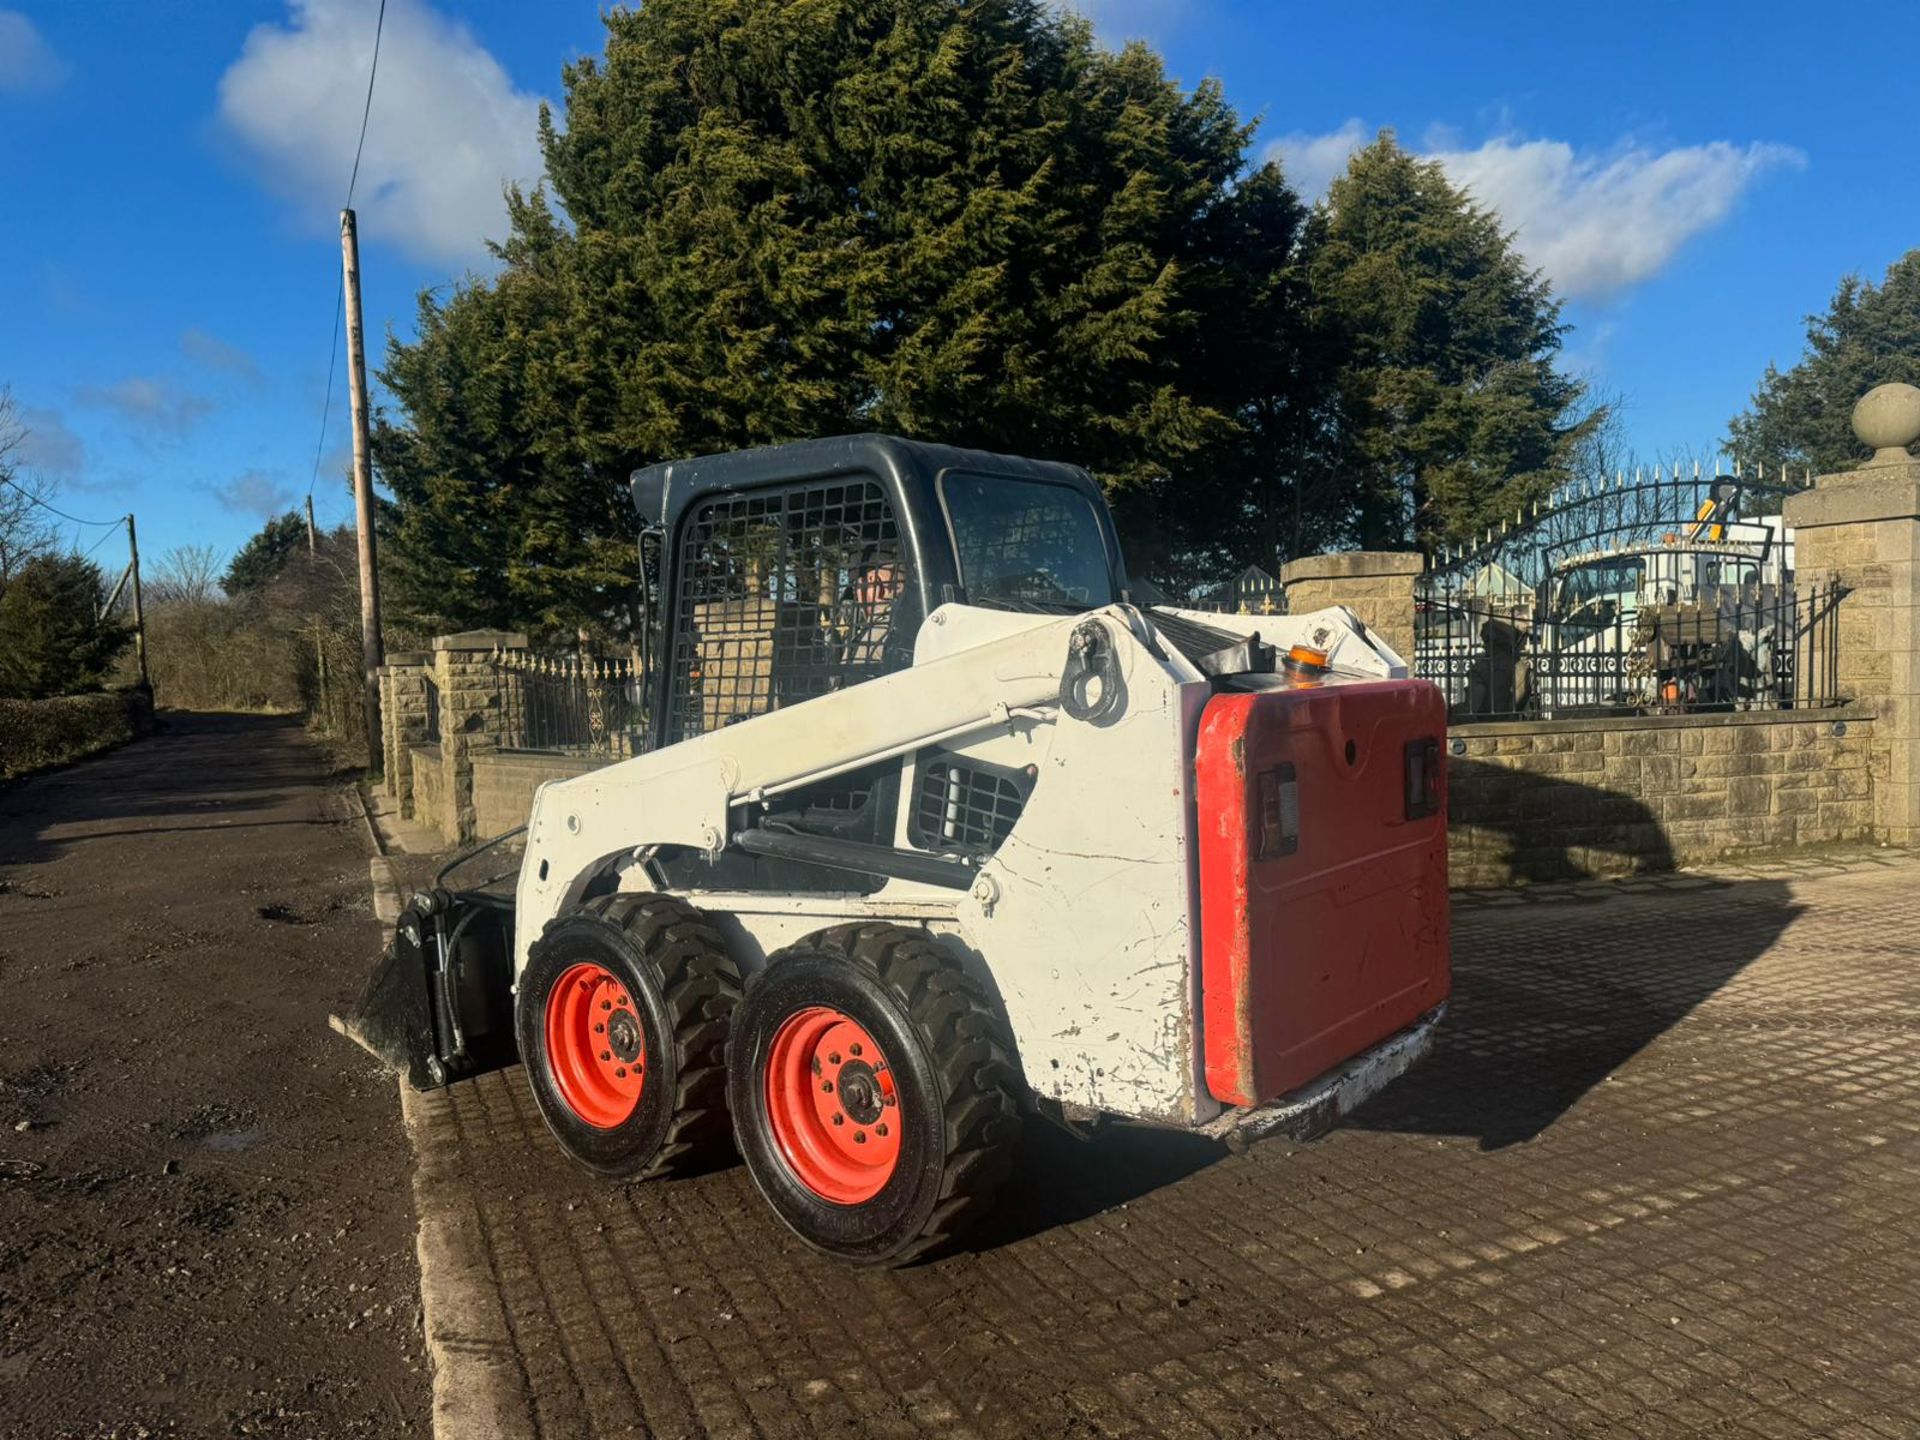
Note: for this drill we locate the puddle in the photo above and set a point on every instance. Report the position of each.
(233, 1139)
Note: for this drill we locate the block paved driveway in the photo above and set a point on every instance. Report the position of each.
(1660, 1177)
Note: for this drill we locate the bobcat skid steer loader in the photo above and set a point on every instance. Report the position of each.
(936, 829)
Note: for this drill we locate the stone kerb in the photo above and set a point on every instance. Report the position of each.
(473, 717)
(1862, 528)
(1377, 585)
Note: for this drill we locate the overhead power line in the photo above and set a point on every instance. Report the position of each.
(372, 70)
(87, 554)
(339, 294)
(9, 481)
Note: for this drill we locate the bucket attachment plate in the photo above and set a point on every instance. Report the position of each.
(439, 1005)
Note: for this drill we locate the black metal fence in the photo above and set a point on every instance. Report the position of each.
(572, 704)
(1757, 648)
(433, 704)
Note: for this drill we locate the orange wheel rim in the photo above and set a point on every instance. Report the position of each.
(596, 1045)
(833, 1105)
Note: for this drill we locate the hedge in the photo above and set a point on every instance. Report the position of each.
(35, 734)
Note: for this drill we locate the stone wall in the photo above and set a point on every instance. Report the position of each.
(504, 782)
(1564, 799)
(403, 720)
(473, 719)
(1862, 528)
(429, 788)
(1376, 585)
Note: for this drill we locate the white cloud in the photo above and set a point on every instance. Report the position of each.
(153, 405)
(48, 444)
(27, 62)
(447, 131)
(256, 492)
(1596, 223)
(1312, 161)
(216, 354)
(1599, 224)
(1119, 21)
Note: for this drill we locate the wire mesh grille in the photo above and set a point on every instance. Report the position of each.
(960, 807)
(784, 595)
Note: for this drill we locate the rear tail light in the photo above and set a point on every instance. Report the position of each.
(1279, 832)
(1423, 778)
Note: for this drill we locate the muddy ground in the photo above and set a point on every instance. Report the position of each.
(205, 1216)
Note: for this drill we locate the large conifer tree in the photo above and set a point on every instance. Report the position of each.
(1452, 415)
(955, 219)
(1870, 334)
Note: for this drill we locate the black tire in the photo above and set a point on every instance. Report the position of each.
(684, 987)
(956, 1088)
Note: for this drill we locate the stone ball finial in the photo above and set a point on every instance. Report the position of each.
(1887, 417)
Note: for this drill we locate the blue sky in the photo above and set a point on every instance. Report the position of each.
(1694, 177)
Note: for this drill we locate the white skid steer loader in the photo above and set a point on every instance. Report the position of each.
(937, 830)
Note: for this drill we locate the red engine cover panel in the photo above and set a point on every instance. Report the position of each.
(1337, 937)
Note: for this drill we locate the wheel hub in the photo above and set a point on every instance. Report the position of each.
(596, 1047)
(623, 1035)
(832, 1105)
(860, 1094)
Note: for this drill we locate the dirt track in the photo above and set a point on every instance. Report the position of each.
(206, 1227)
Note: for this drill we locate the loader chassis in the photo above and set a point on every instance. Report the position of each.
(937, 824)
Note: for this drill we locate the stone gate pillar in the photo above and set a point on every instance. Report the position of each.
(403, 719)
(1862, 527)
(1377, 585)
(473, 716)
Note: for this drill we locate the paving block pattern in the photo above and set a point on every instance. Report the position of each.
(1658, 1178)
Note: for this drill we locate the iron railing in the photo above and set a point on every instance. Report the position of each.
(581, 705)
(433, 704)
(1755, 648)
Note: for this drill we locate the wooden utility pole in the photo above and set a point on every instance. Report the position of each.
(371, 656)
(139, 615)
(310, 545)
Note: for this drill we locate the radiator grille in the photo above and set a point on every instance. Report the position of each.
(964, 807)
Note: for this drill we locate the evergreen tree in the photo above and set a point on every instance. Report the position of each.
(265, 555)
(1869, 334)
(768, 221)
(52, 639)
(1451, 413)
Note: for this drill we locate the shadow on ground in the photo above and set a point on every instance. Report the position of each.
(1534, 1026)
(188, 780)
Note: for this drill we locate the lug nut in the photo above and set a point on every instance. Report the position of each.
(621, 1073)
(859, 1137)
(606, 1005)
(606, 1055)
(857, 1050)
(839, 1119)
(880, 1129)
(827, 1085)
(834, 1059)
(599, 1029)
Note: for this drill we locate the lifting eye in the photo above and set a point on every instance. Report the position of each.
(1278, 832)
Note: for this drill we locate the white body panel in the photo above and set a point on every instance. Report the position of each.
(1085, 918)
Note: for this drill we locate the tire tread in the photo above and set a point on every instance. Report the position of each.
(701, 985)
(973, 1054)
